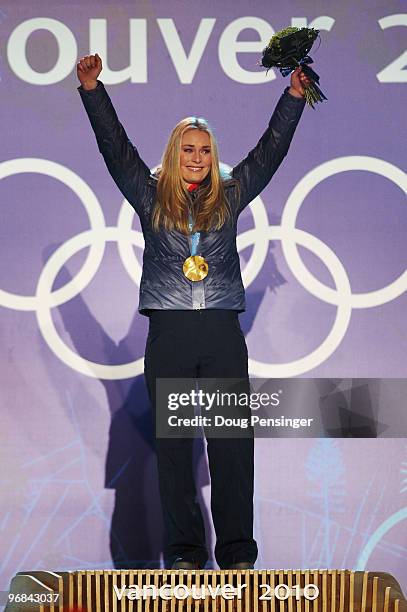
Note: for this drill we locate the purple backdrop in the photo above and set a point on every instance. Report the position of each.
(78, 483)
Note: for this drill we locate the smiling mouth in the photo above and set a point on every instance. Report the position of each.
(194, 168)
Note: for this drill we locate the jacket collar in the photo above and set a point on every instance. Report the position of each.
(152, 180)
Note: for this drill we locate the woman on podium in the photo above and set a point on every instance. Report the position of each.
(191, 290)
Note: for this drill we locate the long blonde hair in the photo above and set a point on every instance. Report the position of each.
(171, 209)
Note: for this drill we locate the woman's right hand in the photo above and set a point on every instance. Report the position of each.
(88, 69)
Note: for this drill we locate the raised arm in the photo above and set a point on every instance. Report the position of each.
(122, 159)
(256, 170)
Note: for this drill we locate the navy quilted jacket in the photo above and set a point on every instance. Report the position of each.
(163, 284)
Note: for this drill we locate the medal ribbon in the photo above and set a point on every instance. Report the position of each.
(196, 235)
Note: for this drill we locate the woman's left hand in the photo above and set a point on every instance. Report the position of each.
(298, 81)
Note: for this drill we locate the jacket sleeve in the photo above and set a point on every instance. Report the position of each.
(256, 170)
(121, 157)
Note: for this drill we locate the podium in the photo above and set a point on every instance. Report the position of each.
(205, 591)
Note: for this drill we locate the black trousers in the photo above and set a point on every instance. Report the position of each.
(206, 344)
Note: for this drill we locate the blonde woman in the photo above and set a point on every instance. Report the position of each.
(191, 290)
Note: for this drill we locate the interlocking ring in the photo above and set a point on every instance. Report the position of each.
(259, 237)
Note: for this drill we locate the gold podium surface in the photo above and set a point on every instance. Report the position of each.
(205, 591)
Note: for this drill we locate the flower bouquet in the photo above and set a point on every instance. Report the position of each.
(289, 49)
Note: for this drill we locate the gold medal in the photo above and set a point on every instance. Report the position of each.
(195, 268)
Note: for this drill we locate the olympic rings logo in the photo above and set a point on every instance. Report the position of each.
(45, 299)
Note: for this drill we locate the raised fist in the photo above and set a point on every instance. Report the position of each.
(88, 69)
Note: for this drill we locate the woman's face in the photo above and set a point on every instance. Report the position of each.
(195, 158)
